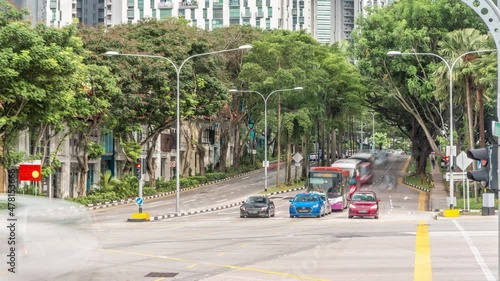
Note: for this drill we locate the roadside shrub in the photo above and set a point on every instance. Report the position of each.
(165, 186)
(215, 176)
(148, 191)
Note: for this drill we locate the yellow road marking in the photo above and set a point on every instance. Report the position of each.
(193, 265)
(269, 272)
(422, 271)
(159, 279)
(422, 198)
(265, 271)
(220, 254)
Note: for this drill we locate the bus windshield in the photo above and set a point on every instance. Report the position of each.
(329, 186)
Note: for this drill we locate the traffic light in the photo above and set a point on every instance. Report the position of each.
(138, 169)
(488, 174)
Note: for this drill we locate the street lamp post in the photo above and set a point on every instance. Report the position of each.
(450, 73)
(266, 164)
(178, 117)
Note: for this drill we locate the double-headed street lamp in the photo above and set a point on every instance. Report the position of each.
(178, 117)
(266, 164)
(450, 73)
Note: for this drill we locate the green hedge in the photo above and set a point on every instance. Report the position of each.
(128, 186)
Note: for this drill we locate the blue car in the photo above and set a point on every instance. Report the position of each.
(307, 205)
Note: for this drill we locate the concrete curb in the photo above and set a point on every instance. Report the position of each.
(416, 187)
(155, 218)
(194, 212)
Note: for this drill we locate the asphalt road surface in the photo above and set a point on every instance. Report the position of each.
(405, 243)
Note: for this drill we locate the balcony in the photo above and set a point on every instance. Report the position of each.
(188, 4)
(259, 14)
(246, 14)
(165, 5)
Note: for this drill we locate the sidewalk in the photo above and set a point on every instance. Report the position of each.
(438, 193)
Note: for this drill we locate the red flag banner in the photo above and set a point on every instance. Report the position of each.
(30, 172)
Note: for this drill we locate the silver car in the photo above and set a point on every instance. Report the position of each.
(326, 203)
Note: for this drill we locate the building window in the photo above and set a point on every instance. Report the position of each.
(268, 24)
(217, 14)
(164, 13)
(207, 24)
(234, 21)
(270, 12)
(182, 13)
(130, 3)
(205, 136)
(216, 23)
(234, 12)
(194, 23)
(246, 21)
(257, 22)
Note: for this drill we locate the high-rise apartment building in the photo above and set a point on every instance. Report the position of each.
(327, 20)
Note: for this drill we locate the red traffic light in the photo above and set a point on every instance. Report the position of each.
(138, 165)
(447, 158)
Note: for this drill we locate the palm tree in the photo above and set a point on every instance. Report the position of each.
(455, 44)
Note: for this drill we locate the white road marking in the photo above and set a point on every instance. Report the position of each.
(479, 259)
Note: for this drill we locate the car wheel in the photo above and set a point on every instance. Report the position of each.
(242, 216)
(376, 217)
(291, 217)
(273, 214)
(350, 217)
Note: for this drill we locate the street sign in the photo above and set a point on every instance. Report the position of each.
(457, 176)
(30, 172)
(139, 201)
(496, 128)
(297, 157)
(451, 150)
(463, 161)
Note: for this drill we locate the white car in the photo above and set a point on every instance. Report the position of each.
(313, 157)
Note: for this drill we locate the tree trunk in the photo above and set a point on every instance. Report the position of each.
(305, 153)
(288, 160)
(188, 137)
(84, 170)
(224, 139)
(480, 102)
(238, 146)
(150, 166)
(278, 142)
(334, 146)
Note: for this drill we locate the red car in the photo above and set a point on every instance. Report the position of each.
(363, 204)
